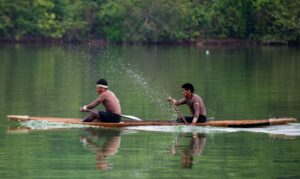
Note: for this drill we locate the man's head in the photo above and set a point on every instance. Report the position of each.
(101, 86)
(187, 90)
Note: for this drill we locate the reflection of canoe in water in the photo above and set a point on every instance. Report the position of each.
(219, 123)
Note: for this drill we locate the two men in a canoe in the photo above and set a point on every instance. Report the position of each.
(109, 100)
(112, 105)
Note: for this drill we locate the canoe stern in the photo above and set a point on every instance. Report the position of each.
(282, 121)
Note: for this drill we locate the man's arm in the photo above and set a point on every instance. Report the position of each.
(176, 102)
(93, 104)
(196, 107)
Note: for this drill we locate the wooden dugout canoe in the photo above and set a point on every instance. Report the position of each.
(219, 123)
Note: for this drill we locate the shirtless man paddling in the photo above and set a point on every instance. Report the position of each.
(109, 100)
(194, 102)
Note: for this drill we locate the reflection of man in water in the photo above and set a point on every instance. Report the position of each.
(195, 147)
(110, 146)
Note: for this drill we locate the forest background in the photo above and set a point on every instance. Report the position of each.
(150, 21)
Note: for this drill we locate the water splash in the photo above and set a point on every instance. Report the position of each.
(152, 91)
(286, 130)
(45, 125)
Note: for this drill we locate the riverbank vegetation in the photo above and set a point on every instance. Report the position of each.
(150, 21)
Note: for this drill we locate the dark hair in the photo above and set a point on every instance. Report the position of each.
(188, 86)
(102, 82)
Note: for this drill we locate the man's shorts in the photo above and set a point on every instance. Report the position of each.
(189, 119)
(109, 117)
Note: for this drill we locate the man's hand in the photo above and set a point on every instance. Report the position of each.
(171, 100)
(194, 121)
(83, 108)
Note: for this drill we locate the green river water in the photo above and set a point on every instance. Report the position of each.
(234, 82)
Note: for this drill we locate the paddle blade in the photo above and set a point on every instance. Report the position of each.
(131, 117)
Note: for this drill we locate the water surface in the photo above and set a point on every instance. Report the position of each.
(234, 82)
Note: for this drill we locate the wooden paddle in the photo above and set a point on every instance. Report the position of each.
(125, 116)
(180, 115)
(131, 117)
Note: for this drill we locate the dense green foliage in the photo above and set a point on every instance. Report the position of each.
(151, 20)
